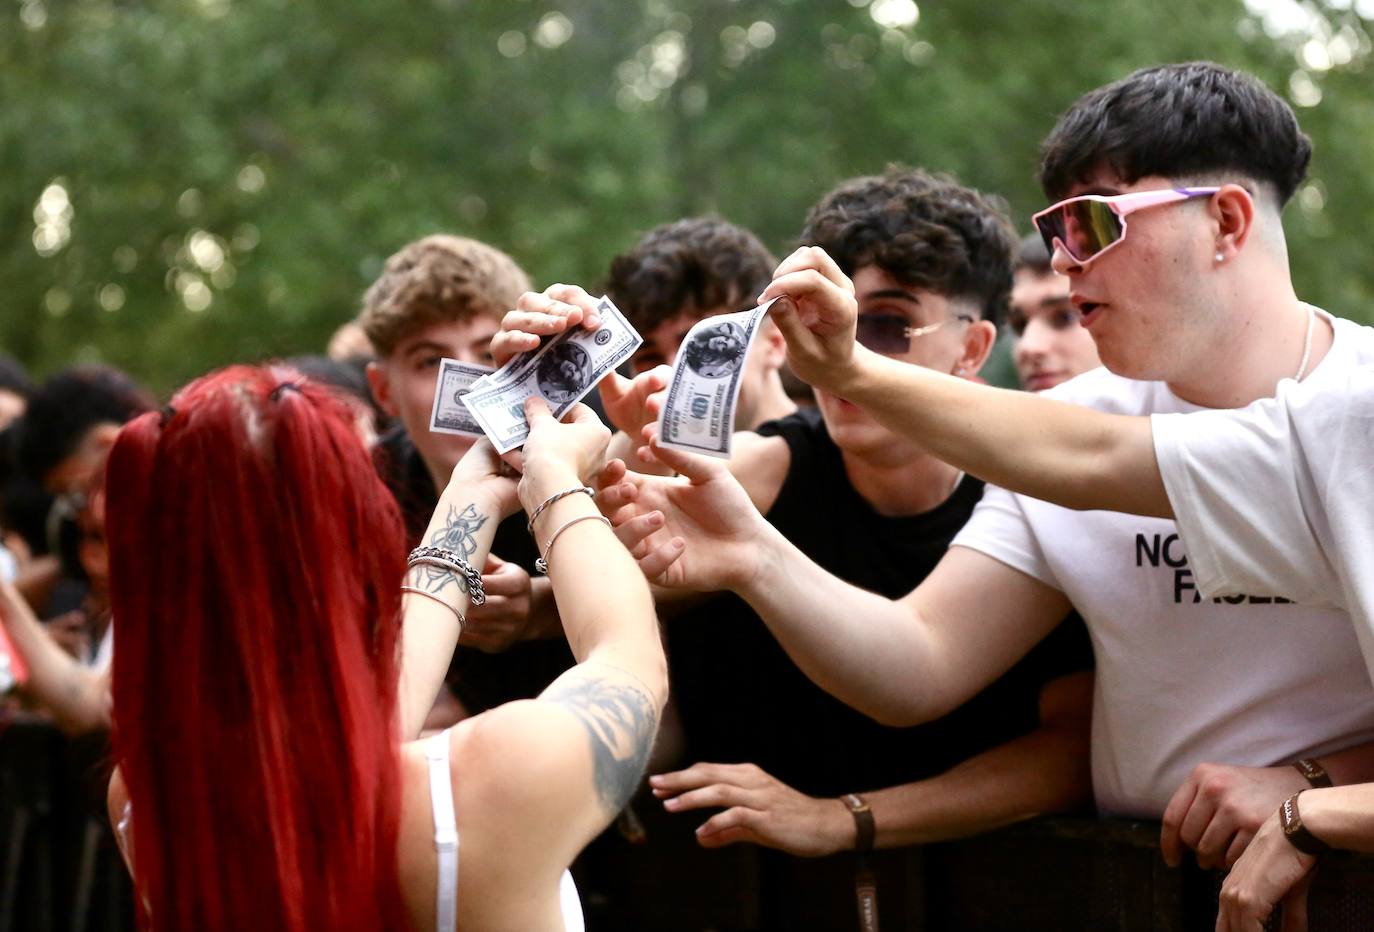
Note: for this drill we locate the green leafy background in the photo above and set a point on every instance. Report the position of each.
(187, 184)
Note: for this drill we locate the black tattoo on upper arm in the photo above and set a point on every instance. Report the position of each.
(621, 721)
(458, 534)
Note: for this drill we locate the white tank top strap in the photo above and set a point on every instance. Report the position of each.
(446, 846)
(445, 832)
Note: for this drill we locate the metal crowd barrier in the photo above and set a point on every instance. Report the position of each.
(60, 870)
(59, 866)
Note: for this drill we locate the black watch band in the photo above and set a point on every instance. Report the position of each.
(863, 822)
(1296, 833)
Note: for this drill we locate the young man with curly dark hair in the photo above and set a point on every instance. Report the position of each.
(683, 271)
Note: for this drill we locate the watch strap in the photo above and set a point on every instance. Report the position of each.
(1314, 772)
(863, 822)
(1296, 833)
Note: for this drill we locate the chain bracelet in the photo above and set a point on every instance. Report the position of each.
(452, 561)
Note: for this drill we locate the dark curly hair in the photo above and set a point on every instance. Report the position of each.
(688, 265)
(434, 280)
(925, 230)
(1178, 121)
(65, 408)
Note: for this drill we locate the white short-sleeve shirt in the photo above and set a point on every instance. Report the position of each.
(1279, 496)
(1183, 678)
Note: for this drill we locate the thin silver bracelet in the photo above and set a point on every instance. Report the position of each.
(542, 564)
(529, 525)
(462, 621)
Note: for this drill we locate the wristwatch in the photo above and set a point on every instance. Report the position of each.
(863, 821)
(1296, 833)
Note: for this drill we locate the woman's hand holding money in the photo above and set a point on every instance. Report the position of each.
(819, 321)
(557, 455)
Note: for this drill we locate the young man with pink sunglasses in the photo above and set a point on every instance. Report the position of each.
(1204, 708)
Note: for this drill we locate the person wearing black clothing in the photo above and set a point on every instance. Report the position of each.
(931, 266)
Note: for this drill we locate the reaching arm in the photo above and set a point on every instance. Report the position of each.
(77, 697)
(465, 520)
(541, 778)
(1043, 448)
(900, 662)
(1040, 772)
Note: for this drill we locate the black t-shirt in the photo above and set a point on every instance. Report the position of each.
(479, 680)
(742, 699)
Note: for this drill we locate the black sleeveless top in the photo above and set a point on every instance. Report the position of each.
(743, 700)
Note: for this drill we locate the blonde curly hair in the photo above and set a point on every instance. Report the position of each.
(438, 279)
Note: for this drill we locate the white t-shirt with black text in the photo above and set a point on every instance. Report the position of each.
(1279, 496)
(1182, 679)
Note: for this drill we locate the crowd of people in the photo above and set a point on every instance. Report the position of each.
(909, 608)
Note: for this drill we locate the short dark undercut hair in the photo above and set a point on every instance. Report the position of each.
(1178, 121)
(1032, 256)
(691, 265)
(927, 231)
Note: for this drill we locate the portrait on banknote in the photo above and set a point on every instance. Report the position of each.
(564, 372)
(717, 351)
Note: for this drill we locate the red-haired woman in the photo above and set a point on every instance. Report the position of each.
(259, 704)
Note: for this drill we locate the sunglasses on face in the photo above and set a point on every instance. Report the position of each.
(891, 334)
(1087, 226)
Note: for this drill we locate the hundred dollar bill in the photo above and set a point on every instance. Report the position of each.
(698, 413)
(449, 415)
(561, 371)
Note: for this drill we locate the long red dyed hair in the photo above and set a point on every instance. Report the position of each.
(255, 559)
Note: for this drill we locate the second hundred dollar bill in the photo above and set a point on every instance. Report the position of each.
(449, 415)
(699, 410)
(561, 371)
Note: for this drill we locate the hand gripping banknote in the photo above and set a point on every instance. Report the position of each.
(698, 413)
(562, 371)
(450, 415)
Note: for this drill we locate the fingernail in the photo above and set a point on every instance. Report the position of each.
(670, 803)
(655, 519)
(655, 780)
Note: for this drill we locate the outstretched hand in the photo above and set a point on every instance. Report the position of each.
(818, 317)
(558, 453)
(758, 808)
(627, 400)
(697, 530)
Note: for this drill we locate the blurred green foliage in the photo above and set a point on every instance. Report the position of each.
(193, 182)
